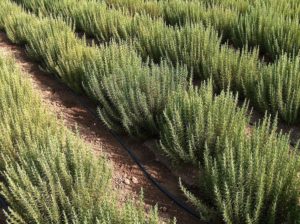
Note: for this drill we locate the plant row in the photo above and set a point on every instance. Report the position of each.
(155, 8)
(273, 88)
(48, 174)
(247, 175)
(288, 8)
(273, 26)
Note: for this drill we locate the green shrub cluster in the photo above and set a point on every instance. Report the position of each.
(271, 25)
(196, 119)
(259, 26)
(249, 175)
(151, 7)
(252, 179)
(197, 46)
(111, 74)
(50, 176)
(134, 99)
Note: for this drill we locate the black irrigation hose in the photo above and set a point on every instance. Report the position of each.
(3, 203)
(162, 189)
(178, 202)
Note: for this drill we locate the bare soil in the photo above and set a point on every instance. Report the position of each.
(292, 129)
(128, 179)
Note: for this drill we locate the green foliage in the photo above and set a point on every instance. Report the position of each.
(247, 175)
(151, 7)
(188, 45)
(16, 28)
(50, 175)
(255, 179)
(97, 21)
(270, 25)
(50, 42)
(275, 89)
(274, 34)
(133, 99)
(92, 17)
(179, 12)
(197, 118)
(258, 24)
(199, 46)
(248, 178)
(105, 73)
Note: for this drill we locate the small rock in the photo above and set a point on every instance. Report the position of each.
(147, 207)
(127, 181)
(134, 180)
(164, 209)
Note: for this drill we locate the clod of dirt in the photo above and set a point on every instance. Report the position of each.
(127, 181)
(134, 180)
(164, 209)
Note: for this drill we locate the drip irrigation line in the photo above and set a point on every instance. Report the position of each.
(154, 182)
(3, 203)
(162, 189)
(178, 202)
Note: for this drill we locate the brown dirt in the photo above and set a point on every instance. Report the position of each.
(127, 177)
(292, 129)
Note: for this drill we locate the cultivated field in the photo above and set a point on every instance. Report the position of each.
(206, 92)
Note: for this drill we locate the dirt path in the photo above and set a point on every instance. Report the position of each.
(127, 179)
